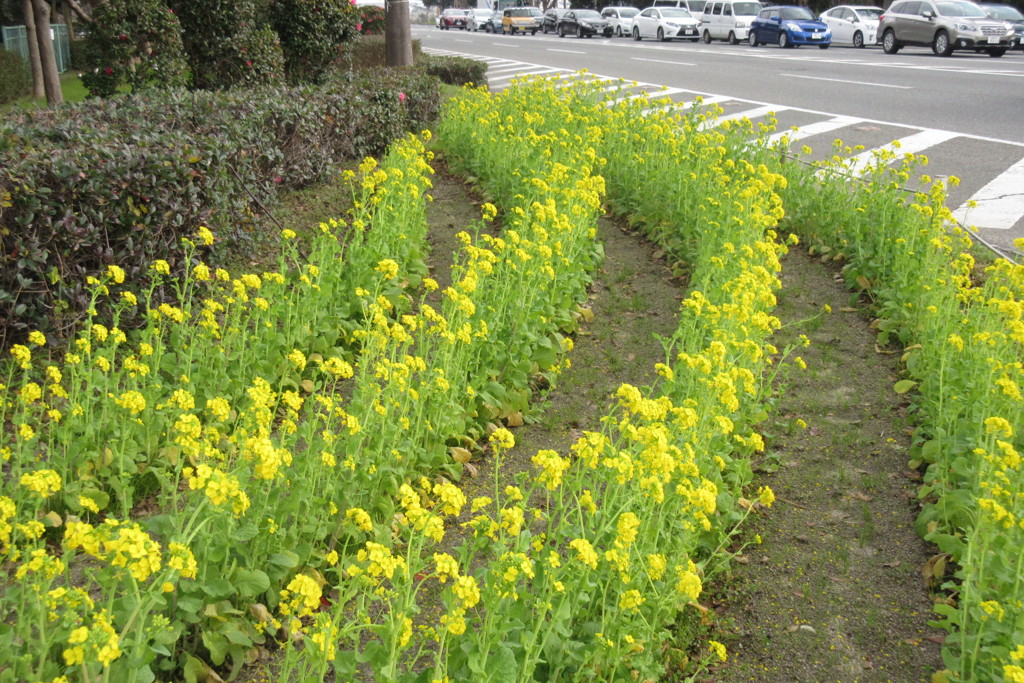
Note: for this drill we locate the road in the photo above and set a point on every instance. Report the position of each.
(965, 112)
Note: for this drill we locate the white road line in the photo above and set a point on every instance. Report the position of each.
(1000, 203)
(816, 128)
(912, 144)
(516, 74)
(571, 52)
(841, 80)
(749, 114)
(663, 61)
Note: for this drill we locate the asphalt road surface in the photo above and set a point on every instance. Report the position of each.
(964, 112)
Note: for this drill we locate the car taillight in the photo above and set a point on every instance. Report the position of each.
(881, 17)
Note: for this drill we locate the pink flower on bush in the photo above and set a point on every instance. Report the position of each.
(359, 27)
(248, 62)
(401, 97)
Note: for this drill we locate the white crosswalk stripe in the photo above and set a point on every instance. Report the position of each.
(997, 206)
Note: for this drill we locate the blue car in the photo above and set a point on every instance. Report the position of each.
(789, 26)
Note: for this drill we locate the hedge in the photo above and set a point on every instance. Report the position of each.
(120, 181)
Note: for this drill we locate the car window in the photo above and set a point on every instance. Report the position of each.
(696, 6)
(627, 12)
(1003, 12)
(727, 11)
(677, 12)
(959, 9)
(746, 9)
(797, 14)
(869, 13)
(647, 12)
(717, 9)
(775, 14)
(901, 8)
(588, 14)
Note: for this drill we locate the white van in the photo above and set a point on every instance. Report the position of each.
(695, 7)
(728, 20)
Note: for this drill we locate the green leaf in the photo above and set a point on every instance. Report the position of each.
(189, 604)
(284, 558)
(217, 645)
(502, 667)
(194, 669)
(251, 582)
(904, 385)
(219, 588)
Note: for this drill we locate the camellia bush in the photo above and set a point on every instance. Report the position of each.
(311, 31)
(229, 43)
(134, 44)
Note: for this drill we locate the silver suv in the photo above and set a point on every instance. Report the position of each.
(945, 25)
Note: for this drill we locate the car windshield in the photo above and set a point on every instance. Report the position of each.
(869, 13)
(960, 9)
(535, 12)
(796, 14)
(746, 9)
(588, 14)
(679, 13)
(627, 12)
(1003, 12)
(524, 12)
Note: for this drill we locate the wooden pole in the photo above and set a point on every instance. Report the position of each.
(397, 33)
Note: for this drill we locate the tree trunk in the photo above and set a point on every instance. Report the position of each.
(77, 9)
(397, 33)
(51, 79)
(33, 50)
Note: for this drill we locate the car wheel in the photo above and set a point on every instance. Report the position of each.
(784, 39)
(998, 52)
(889, 44)
(618, 31)
(823, 47)
(636, 34)
(752, 39)
(732, 39)
(707, 36)
(661, 35)
(561, 31)
(858, 39)
(533, 32)
(579, 31)
(941, 45)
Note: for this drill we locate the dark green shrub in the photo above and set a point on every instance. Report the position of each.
(120, 181)
(229, 43)
(455, 70)
(15, 77)
(135, 43)
(368, 53)
(371, 20)
(311, 32)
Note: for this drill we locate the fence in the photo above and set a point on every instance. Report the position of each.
(16, 40)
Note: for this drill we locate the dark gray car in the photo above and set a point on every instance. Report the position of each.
(945, 25)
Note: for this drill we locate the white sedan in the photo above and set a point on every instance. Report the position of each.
(853, 24)
(666, 23)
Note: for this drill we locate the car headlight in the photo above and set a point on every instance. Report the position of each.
(791, 26)
(671, 24)
(967, 27)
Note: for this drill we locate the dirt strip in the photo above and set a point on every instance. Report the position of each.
(835, 592)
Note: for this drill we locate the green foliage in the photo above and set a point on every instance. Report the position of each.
(311, 32)
(120, 181)
(371, 20)
(136, 43)
(229, 43)
(455, 70)
(369, 53)
(15, 79)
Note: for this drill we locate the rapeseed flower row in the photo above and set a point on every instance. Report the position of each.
(963, 338)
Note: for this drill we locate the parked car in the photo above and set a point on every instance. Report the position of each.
(695, 7)
(583, 23)
(1007, 13)
(453, 18)
(789, 26)
(478, 19)
(550, 22)
(493, 24)
(853, 24)
(945, 25)
(620, 19)
(666, 23)
(728, 19)
(521, 20)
